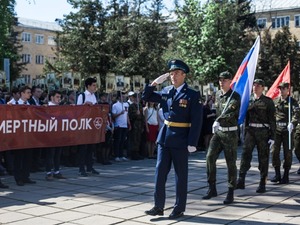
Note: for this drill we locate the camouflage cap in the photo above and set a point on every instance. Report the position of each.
(284, 85)
(225, 75)
(259, 81)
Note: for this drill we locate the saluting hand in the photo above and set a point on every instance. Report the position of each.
(160, 79)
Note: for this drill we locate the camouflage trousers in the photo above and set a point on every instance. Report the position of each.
(228, 142)
(256, 137)
(297, 145)
(282, 137)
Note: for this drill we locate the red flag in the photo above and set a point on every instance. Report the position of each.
(285, 76)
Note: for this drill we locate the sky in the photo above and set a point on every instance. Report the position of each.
(49, 10)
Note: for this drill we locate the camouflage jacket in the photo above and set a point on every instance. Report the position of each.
(282, 111)
(231, 101)
(262, 111)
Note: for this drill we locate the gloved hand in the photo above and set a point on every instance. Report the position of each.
(192, 148)
(271, 143)
(215, 127)
(290, 127)
(161, 78)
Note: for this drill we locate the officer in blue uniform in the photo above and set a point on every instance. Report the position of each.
(182, 110)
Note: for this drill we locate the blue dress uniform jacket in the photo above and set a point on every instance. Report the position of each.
(183, 115)
(183, 121)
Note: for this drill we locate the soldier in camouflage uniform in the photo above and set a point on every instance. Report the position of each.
(295, 123)
(282, 134)
(225, 137)
(260, 128)
(137, 122)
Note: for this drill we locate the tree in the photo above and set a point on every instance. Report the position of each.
(214, 37)
(285, 48)
(137, 39)
(9, 44)
(82, 37)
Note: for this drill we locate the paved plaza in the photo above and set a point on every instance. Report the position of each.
(123, 191)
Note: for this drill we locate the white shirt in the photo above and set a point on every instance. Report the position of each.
(12, 101)
(152, 116)
(51, 103)
(21, 102)
(89, 97)
(178, 89)
(121, 120)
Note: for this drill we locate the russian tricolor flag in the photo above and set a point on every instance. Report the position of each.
(243, 80)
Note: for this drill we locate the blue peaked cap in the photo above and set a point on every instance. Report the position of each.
(176, 64)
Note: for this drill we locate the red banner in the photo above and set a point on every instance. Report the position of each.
(23, 126)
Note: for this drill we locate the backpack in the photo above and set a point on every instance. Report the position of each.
(83, 97)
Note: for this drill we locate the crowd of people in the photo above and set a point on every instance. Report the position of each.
(166, 126)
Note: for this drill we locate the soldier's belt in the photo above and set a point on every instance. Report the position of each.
(259, 125)
(177, 124)
(228, 128)
(281, 124)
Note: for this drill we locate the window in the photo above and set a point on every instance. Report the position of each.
(39, 39)
(51, 59)
(26, 78)
(39, 59)
(26, 37)
(280, 21)
(298, 44)
(51, 40)
(261, 23)
(26, 58)
(297, 21)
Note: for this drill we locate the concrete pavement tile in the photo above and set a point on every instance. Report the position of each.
(95, 209)
(294, 221)
(9, 217)
(124, 213)
(69, 204)
(92, 199)
(268, 216)
(138, 190)
(17, 205)
(67, 216)
(98, 219)
(113, 195)
(36, 220)
(39, 211)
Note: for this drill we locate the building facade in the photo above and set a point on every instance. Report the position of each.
(275, 14)
(38, 41)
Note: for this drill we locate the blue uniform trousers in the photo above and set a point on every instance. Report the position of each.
(165, 157)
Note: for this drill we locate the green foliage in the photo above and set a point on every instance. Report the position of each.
(212, 37)
(276, 53)
(9, 45)
(117, 38)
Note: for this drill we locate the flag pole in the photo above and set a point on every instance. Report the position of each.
(290, 131)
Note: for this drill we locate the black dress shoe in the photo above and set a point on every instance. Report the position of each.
(93, 171)
(29, 181)
(3, 185)
(175, 215)
(155, 211)
(20, 183)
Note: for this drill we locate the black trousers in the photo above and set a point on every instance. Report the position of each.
(22, 162)
(85, 154)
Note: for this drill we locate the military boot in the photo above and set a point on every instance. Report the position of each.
(262, 186)
(229, 198)
(212, 191)
(241, 181)
(285, 178)
(277, 177)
